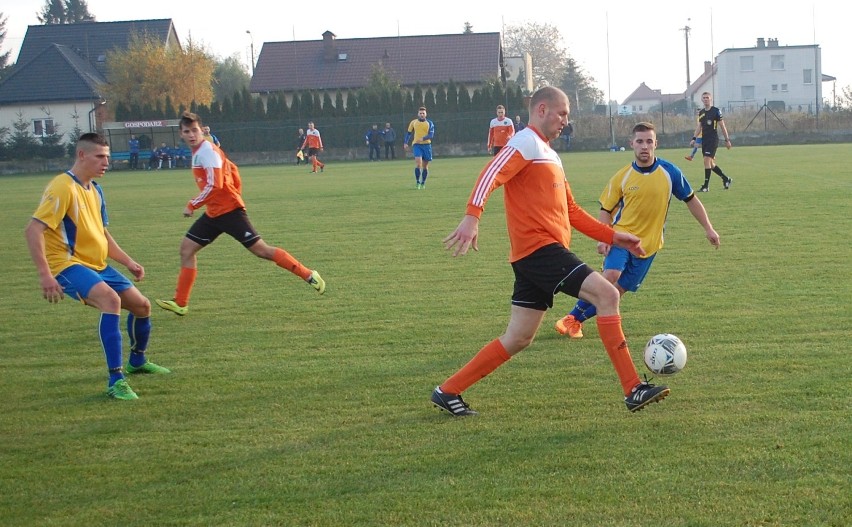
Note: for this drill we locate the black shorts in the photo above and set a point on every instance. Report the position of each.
(547, 271)
(236, 223)
(709, 147)
(313, 151)
(496, 150)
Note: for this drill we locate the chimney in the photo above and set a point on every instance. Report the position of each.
(761, 43)
(708, 68)
(773, 42)
(329, 49)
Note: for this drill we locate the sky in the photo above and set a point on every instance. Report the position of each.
(619, 43)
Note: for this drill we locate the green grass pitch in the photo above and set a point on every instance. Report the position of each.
(287, 408)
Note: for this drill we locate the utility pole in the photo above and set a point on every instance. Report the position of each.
(686, 29)
(252, 50)
(686, 98)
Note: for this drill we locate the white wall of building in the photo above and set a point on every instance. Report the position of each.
(65, 116)
(748, 78)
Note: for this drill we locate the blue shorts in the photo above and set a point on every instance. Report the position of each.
(424, 152)
(633, 269)
(78, 280)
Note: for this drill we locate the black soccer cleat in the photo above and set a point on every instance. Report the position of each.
(451, 403)
(703, 189)
(728, 183)
(645, 394)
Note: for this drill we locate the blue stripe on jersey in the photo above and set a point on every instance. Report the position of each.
(70, 230)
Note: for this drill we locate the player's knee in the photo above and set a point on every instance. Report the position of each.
(143, 309)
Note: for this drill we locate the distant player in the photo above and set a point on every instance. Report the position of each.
(220, 185)
(420, 133)
(500, 131)
(695, 148)
(313, 143)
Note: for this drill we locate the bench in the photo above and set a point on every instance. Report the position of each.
(122, 159)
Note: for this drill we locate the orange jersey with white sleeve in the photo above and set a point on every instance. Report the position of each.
(312, 139)
(540, 209)
(218, 179)
(500, 131)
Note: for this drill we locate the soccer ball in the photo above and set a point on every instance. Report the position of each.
(665, 354)
(621, 149)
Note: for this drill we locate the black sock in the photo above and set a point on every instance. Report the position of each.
(706, 177)
(718, 170)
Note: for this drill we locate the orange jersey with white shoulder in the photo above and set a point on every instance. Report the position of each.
(540, 209)
(312, 139)
(500, 131)
(218, 179)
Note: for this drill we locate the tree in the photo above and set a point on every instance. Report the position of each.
(230, 75)
(381, 85)
(4, 57)
(129, 78)
(541, 41)
(77, 11)
(582, 92)
(53, 12)
(468, 28)
(846, 100)
(64, 12)
(22, 144)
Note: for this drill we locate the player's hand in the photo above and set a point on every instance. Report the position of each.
(136, 270)
(51, 290)
(628, 241)
(187, 212)
(713, 237)
(603, 248)
(728, 144)
(464, 237)
(405, 146)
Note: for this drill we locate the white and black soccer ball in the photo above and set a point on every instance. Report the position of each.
(665, 354)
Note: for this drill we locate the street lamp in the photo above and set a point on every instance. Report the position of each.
(252, 50)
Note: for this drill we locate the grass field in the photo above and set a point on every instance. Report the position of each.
(287, 408)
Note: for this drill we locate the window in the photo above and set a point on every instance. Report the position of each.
(774, 87)
(747, 63)
(783, 87)
(43, 127)
(747, 93)
(808, 76)
(777, 62)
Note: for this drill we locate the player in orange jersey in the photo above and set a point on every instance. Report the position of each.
(313, 142)
(540, 213)
(218, 179)
(500, 131)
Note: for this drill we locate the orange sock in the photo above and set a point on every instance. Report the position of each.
(284, 260)
(609, 327)
(314, 163)
(489, 358)
(186, 279)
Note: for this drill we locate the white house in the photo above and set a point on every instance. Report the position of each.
(785, 78)
(781, 77)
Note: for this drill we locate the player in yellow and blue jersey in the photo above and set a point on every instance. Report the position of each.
(420, 133)
(69, 244)
(636, 200)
